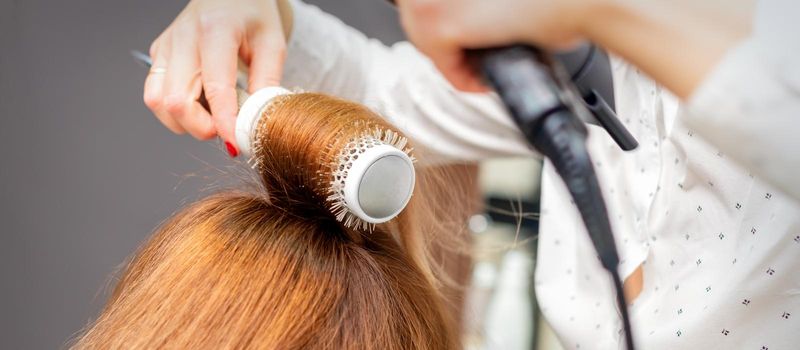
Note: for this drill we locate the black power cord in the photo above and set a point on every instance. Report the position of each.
(562, 139)
(544, 105)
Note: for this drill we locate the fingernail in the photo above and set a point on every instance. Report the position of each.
(231, 149)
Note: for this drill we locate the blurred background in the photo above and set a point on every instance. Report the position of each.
(88, 172)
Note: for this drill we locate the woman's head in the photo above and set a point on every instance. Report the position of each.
(276, 269)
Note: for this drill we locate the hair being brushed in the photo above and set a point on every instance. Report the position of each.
(276, 269)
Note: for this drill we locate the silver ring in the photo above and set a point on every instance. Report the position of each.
(158, 70)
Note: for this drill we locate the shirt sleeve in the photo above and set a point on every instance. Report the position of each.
(398, 82)
(749, 105)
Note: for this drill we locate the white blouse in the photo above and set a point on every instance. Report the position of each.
(719, 248)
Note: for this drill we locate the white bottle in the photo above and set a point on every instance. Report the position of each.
(479, 295)
(509, 321)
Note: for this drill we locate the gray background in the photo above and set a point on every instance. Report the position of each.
(87, 172)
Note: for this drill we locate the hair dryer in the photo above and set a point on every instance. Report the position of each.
(549, 104)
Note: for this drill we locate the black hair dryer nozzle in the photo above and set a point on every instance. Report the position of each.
(579, 79)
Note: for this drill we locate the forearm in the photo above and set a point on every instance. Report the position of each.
(676, 42)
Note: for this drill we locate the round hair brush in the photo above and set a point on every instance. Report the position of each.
(372, 176)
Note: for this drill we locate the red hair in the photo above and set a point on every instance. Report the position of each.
(275, 269)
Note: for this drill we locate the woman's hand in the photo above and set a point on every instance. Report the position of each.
(676, 42)
(442, 29)
(200, 51)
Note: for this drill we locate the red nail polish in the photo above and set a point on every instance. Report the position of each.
(231, 149)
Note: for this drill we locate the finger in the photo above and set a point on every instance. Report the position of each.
(218, 60)
(202, 127)
(458, 71)
(465, 78)
(182, 85)
(268, 54)
(266, 65)
(154, 86)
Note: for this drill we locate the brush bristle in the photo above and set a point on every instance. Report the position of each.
(343, 163)
(260, 133)
(334, 179)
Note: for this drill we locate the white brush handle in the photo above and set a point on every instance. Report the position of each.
(250, 110)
